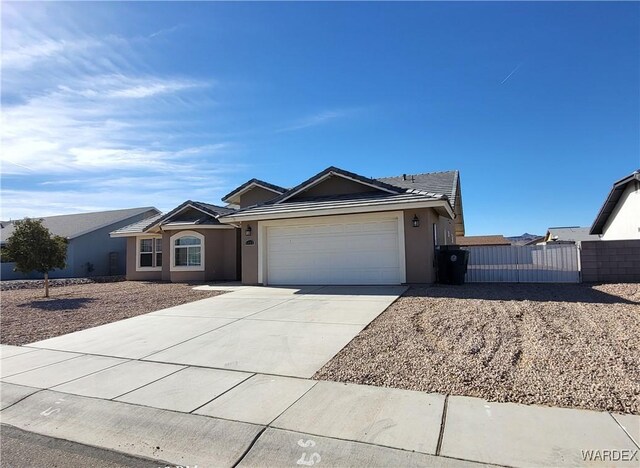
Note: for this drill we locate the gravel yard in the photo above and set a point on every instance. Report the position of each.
(573, 345)
(27, 316)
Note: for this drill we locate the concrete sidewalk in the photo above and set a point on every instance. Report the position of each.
(212, 417)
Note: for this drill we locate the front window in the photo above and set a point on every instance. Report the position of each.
(150, 253)
(188, 251)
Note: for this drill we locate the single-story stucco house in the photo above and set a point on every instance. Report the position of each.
(90, 249)
(619, 217)
(336, 227)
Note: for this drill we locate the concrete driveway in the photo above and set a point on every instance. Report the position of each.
(281, 331)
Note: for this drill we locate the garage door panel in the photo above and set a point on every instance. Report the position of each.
(346, 252)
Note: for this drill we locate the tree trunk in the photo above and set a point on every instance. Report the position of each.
(46, 284)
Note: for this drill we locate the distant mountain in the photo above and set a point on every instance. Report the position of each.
(523, 239)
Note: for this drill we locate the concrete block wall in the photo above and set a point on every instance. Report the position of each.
(615, 261)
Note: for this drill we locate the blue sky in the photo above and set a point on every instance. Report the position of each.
(117, 105)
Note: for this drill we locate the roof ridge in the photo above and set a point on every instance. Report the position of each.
(418, 174)
(210, 204)
(146, 208)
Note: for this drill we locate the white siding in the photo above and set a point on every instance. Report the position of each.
(624, 222)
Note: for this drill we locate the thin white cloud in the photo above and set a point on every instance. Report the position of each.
(510, 74)
(25, 56)
(165, 31)
(320, 118)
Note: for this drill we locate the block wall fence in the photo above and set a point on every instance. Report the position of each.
(614, 261)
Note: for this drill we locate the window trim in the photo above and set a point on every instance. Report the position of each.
(172, 265)
(153, 253)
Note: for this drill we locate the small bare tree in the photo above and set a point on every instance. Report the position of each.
(33, 248)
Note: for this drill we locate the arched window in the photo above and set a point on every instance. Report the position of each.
(187, 252)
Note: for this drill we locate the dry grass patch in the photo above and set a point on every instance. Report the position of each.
(27, 316)
(561, 345)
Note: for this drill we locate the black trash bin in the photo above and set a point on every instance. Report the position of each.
(452, 264)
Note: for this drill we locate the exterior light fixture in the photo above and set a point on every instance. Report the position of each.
(248, 231)
(415, 221)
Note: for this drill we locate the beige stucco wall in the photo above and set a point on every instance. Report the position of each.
(446, 230)
(249, 253)
(418, 246)
(220, 262)
(256, 195)
(335, 186)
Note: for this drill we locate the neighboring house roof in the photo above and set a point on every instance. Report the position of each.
(612, 199)
(76, 225)
(344, 203)
(533, 241)
(470, 241)
(210, 215)
(248, 185)
(569, 234)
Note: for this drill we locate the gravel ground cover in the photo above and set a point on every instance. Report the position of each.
(27, 316)
(573, 345)
(56, 282)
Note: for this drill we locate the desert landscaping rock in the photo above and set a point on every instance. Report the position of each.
(570, 345)
(54, 283)
(27, 316)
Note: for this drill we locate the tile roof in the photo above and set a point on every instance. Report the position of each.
(140, 226)
(218, 210)
(439, 182)
(328, 203)
(470, 241)
(75, 225)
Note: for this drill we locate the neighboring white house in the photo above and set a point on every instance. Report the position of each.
(619, 217)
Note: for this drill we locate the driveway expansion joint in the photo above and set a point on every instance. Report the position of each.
(442, 424)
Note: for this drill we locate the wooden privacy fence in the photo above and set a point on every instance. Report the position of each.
(524, 264)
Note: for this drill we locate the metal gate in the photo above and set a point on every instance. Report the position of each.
(524, 264)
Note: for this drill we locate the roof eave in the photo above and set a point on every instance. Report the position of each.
(244, 188)
(441, 205)
(609, 205)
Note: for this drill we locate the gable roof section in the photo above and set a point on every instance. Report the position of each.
(611, 202)
(76, 225)
(341, 204)
(211, 211)
(334, 171)
(248, 185)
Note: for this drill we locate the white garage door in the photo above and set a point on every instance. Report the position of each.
(336, 250)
